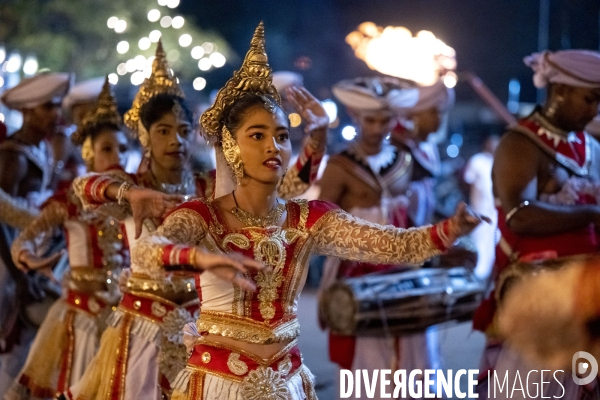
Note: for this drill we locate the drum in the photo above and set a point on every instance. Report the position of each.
(519, 270)
(400, 303)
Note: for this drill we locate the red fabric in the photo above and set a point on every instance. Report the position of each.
(531, 248)
(575, 150)
(174, 254)
(3, 132)
(81, 301)
(219, 359)
(577, 241)
(341, 350)
(62, 196)
(138, 304)
(317, 209)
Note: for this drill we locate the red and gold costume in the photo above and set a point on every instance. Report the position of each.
(68, 337)
(270, 315)
(142, 348)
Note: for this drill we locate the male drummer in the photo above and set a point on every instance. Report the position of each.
(369, 180)
(25, 174)
(545, 180)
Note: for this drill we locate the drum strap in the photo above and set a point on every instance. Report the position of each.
(507, 249)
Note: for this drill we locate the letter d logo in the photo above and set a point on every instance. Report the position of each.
(579, 367)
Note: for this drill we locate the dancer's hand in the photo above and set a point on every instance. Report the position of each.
(148, 203)
(42, 265)
(230, 267)
(464, 220)
(310, 109)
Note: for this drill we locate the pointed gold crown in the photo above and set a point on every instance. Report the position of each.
(161, 81)
(104, 112)
(254, 76)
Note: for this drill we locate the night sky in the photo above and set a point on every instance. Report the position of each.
(490, 37)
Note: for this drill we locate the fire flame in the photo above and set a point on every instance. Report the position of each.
(394, 51)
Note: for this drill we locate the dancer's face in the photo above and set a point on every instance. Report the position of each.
(576, 108)
(426, 122)
(170, 141)
(43, 118)
(110, 149)
(374, 126)
(264, 142)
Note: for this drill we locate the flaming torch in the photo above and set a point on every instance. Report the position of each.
(394, 51)
(421, 58)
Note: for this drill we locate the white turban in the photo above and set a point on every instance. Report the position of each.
(417, 99)
(83, 92)
(368, 94)
(37, 90)
(285, 79)
(579, 68)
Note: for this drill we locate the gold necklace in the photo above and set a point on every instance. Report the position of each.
(248, 219)
(173, 188)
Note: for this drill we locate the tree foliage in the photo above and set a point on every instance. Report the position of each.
(72, 35)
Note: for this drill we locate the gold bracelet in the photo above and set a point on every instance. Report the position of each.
(192, 259)
(125, 186)
(512, 212)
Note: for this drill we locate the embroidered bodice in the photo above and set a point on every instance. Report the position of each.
(95, 243)
(90, 190)
(270, 314)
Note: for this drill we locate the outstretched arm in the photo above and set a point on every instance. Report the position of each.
(341, 235)
(117, 195)
(176, 246)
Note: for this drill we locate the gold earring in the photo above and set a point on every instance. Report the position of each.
(87, 152)
(231, 151)
(144, 137)
(554, 106)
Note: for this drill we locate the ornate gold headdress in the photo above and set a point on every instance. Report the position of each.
(161, 81)
(104, 112)
(254, 76)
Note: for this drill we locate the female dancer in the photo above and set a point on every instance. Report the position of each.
(142, 347)
(243, 345)
(68, 337)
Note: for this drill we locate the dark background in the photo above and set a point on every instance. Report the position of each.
(490, 37)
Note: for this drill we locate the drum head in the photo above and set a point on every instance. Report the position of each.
(338, 309)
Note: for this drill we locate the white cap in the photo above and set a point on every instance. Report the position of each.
(83, 92)
(368, 94)
(417, 99)
(285, 79)
(37, 90)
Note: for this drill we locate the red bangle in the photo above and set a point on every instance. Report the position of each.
(95, 189)
(442, 236)
(174, 254)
